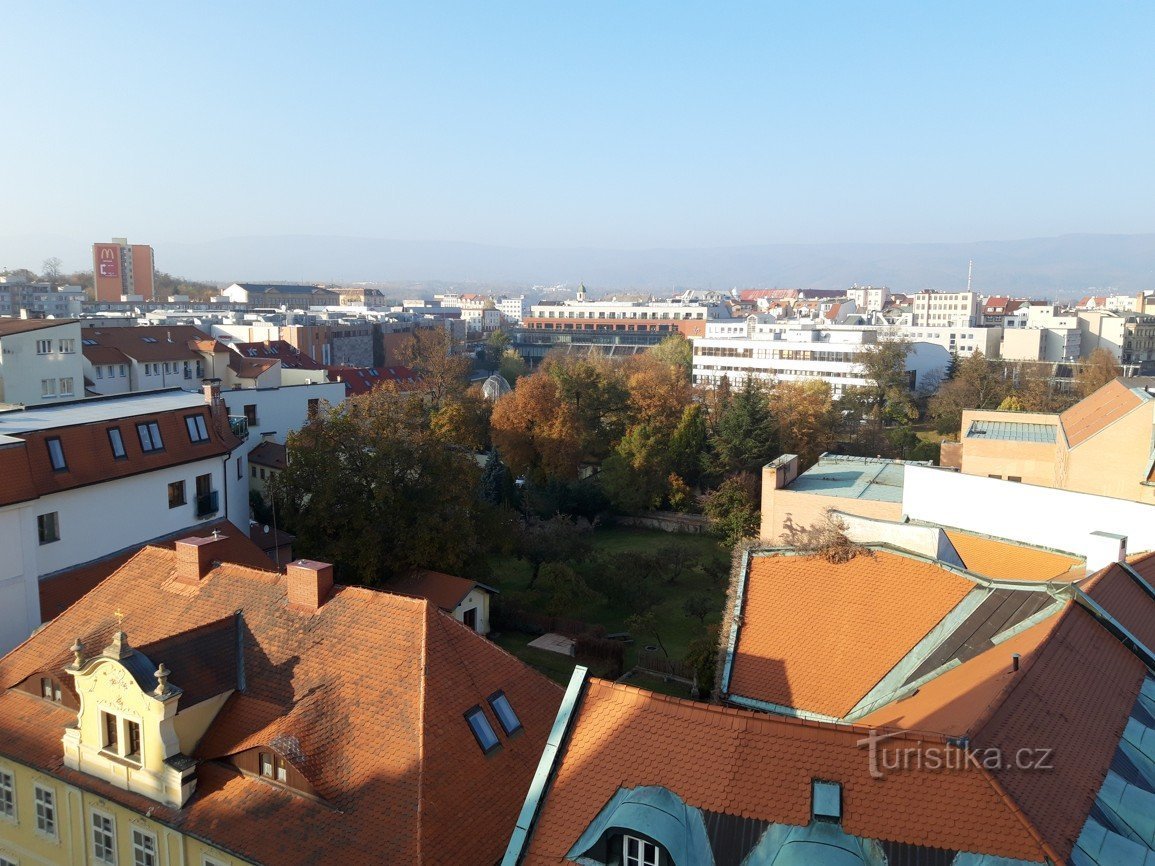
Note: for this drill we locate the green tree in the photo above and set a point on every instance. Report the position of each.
(689, 443)
(496, 346)
(744, 439)
(733, 509)
(675, 351)
(807, 419)
(371, 488)
(554, 540)
(702, 658)
(646, 624)
(888, 390)
(697, 607)
(495, 482)
(565, 590)
(512, 367)
(978, 383)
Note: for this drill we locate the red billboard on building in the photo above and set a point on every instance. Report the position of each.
(107, 260)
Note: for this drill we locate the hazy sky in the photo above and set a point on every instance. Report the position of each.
(606, 124)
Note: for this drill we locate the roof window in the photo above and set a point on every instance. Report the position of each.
(149, 339)
(56, 454)
(826, 800)
(149, 433)
(117, 443)
(197, 431)
(88, 342)
(506, 717)
(482, 729)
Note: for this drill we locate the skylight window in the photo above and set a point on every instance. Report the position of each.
(506, 717)
(149, 339)
(88, 342)
(149, 433)
(482, 729)
(197, 432)
(56, 455)
(117, 443)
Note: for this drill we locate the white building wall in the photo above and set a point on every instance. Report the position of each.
(19, 591)
(22, 369)
(479, 599)
(963, 341)
(1042, 516)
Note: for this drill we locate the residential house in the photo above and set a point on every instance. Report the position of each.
(82, 480)
(362, 380)
(193, 710)
(40, 361)
(281, 295)
(467, 601)
(297, 367)
(126, 360)
(265, 461)
(945, 309)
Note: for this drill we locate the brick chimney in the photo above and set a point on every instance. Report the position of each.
(195, 556)
(309, 584)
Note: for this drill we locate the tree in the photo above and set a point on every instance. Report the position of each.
(635, 477)
(463, 420)
(675, 351)
(659, 391)
(596, 400)
(496, 346)
(697, 607)
(1099, 369)
(807, 419)
(689, 444)
(1011, 403)
(744, 439)
(429, 352)
(50, 270)
(371, 488)
(978, 383)
(535, 430)
(647, 624)
(512, 367)
(733, 509)
(554, 540)
(702, 658)
(565, 590)
(888, 392)
(494, 486)
(826, 538)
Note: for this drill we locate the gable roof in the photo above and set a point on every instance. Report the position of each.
(750, 765)
(446, 591)
(12, 325)
(271, 454)
(290, 356)
(866, 615)
(143, 343)
(365, 697)
(362, 380)
(1094, 413)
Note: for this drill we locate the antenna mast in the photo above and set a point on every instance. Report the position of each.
(970, 273)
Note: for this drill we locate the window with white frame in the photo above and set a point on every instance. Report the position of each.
(47, 387)
(103, 838)
(7, 795)
(197, 431)
(43, 347)
(143, 848)
(149, 433)
(66, 386)
(639, 852)
(45, 811)
(68, 347)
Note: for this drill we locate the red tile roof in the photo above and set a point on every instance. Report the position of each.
(271, 454)
(89, 458)
(146, 343)
(370, 690)
(362, 380)
(290, 356)
(865, 615)
(21, 326)
(446, 591)
(250, 368)
(1094, 413)
(1006, 560)
(760, 766)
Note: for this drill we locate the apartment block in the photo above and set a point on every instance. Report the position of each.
(949, 309)
(40, 361)
(122, 270)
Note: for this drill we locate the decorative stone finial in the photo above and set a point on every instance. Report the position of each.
(162, 674)
(77, 654)
(119, 648)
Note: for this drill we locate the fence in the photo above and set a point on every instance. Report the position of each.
(667, 521)
(656, 663)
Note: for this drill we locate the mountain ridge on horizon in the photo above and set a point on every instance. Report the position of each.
(1046, 265)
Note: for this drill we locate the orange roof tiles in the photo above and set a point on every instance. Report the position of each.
(146, 343)
(444, 590)
(372, 688)
(1006, 560)
(760, 766)
(1126, 600)
(1093, 413)
(817, 636)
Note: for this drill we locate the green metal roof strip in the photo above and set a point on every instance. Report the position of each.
(545, 767)
(1013, 431)
(735, 623)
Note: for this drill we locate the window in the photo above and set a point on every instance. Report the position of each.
(103, 838)
(197, 432)
(99, 372)
(68, 347)
(240, 468)
(45, 811)
(143, 848)
(506, 717)
(482, 729)
(123, 370)
(43, 347)
(251, 414)
(149, 433)
(1018, 478)
(132, 748)
(56, 454)
(117, 443)
(66, 386)
(176, 494)
(49, 690)
(48, 527)
(639, 852)
(252, 471)
(110, 731)
(47, 387)
(273, 766)
(7, 795)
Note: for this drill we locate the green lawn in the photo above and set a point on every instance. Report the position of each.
(512, 575)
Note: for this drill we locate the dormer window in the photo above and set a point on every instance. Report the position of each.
(639, 852)
(273, 767)
(49, 689)
(197, 431)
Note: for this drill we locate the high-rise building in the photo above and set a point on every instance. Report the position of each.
(121, 269)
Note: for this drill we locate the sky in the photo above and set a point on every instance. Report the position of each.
(598, 124)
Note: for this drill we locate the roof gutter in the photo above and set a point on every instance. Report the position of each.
(546, 768)
(735, 624)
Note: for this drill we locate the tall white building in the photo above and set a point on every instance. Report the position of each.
(949, 309)
(40, 361)
(775, 351)
(869, 299)
(512, 309)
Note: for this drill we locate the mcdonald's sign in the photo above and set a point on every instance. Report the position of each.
(107, 260)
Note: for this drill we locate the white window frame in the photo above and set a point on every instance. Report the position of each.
(648, 854)
(68, 347)
(8, 795)
(45, 800)
(47, 389)
(43, 347)
(141, 856)
(93, 815)
(67, 386)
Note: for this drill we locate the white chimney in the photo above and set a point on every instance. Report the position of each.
(1104, 548)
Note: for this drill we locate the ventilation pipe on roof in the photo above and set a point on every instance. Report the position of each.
(1015, 658)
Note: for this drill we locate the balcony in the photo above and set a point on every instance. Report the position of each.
(239, 424)
(208, 504)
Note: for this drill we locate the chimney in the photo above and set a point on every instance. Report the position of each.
(1104, 548)
(1015, 659)
(309, 584)
(194, 558)
(212, 390)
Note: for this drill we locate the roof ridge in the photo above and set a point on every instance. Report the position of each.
(1017, 811)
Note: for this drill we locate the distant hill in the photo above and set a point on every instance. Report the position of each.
(1060, 266)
